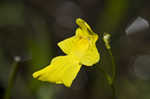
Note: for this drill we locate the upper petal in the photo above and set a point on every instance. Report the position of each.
(83, 25)
(67, 44)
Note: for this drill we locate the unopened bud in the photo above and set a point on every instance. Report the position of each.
(106, 39)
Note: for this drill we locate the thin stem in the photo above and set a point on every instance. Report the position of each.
(110, 82)
(106, 75)
(11, 80)
(113, 91)
(106, 38)
(113, 74)
(113, 66)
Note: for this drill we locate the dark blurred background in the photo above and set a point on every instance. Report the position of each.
(31, 30)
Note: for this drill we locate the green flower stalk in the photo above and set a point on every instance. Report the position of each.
(106, 39)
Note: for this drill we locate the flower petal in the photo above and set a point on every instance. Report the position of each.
(67, 44)
(91, 56)
(62, 70)
(83, 25)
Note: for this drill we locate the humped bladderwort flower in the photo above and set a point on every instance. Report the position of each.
(80, 49)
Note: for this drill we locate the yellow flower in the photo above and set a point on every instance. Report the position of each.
(80, 49)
